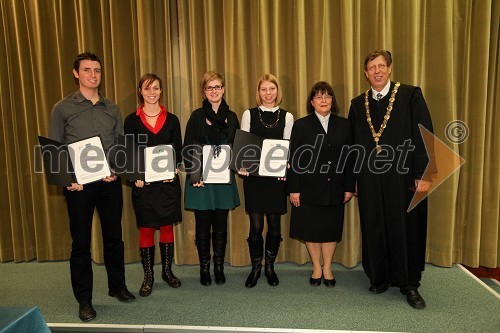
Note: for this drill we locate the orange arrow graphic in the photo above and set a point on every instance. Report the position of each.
(443, 162)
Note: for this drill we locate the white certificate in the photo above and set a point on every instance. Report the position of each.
(159, 163)
(274, 158)
(216, 169)
(89, 160)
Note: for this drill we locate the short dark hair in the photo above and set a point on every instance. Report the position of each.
(85, 56)
(377, 53)
(148, 78)
(323, 88)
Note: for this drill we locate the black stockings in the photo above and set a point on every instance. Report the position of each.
(257, 224)
(211, 219)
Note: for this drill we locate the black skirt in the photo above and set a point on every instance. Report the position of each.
(317, 224)
(157, 204)
(264, 195)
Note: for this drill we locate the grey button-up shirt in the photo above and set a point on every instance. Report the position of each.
(75, 118)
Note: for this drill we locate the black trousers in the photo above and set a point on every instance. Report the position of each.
(108, 199)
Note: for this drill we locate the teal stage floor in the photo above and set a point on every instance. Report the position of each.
(456, 301)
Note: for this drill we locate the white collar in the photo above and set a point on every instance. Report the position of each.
(273, 109)
(384, 91)
(321, 117)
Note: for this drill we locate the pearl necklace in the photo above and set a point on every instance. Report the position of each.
(376, 136)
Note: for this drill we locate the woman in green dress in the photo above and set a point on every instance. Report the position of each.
(212, 124)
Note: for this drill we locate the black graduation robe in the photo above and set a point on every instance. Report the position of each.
(393, 241)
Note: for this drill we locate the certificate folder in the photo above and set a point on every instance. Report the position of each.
(89, 160)
(260, 157)
(159, 163)
(204, 165)
(82, 162)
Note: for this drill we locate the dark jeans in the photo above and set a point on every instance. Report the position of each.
(107, 198)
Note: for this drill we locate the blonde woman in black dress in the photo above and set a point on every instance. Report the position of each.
(265, 196)
(318, 188)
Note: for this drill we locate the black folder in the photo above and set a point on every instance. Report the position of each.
(56, 162)
(247, 151)
(129, 158)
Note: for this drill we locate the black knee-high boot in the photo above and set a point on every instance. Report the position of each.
(203, 245)
(255, 246)
(272, 247)
(219, 240)
(167, 257)
(148, 261)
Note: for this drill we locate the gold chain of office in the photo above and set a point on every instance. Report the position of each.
(378, 135)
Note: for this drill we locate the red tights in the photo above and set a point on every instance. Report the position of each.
(147, 236)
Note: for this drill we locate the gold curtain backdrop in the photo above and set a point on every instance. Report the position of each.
(449, 48)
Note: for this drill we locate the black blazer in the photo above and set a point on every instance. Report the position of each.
(319, 171)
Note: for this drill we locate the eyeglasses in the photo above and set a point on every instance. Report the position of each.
(216, 88)
(321, 97)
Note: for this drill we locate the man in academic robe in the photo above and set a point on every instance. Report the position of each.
(385, 121)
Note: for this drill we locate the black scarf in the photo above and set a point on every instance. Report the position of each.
(219, 130)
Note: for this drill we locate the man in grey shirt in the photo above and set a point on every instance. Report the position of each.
(83, 114)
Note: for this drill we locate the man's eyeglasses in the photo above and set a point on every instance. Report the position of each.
(216, 88)
(320, 97)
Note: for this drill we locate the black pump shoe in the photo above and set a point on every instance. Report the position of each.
(329, 283)
(315, 282)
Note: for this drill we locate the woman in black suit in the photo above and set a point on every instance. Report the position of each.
(319, 181)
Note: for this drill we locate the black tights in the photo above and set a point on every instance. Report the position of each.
(210, 219)
(257, 224)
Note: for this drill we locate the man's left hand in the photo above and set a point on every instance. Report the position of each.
(422, 185)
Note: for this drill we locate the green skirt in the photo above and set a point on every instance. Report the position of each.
(212, 196)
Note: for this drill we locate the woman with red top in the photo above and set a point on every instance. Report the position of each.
(156, 205)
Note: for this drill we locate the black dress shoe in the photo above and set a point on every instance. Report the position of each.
(379, 288)
(415, 299)
(315, 282)
(86, 312)
(329, 283)
(123, 295)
